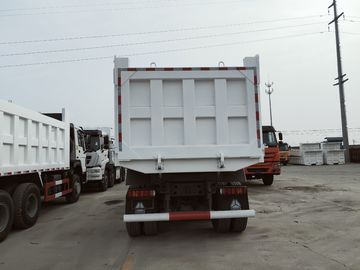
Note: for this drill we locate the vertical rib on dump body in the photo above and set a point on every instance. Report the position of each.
(174, 120)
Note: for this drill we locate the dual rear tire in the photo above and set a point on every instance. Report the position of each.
(229, 225)
(6, 214)
(135, 229)
(20, 211)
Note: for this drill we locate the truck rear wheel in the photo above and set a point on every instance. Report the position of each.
(239, 224)
(6, 214)
(151, 228)
(111, 177)
(221, 225)
(104, 182)
(27, 205)
(76, 190)
(268, 180)
(133, 228)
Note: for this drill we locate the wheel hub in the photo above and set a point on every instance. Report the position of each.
(31, 205)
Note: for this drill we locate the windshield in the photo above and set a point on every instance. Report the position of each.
(92, 143)
(269, 139)
(283, 147)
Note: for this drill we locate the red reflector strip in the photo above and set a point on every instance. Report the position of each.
(258, 133)
(233, 190)
(119, 100)
(119, 118)
(120, 136)
(132, 69)
(187, 69)
(141, 193)
(168, 69)
(257, 98)
(257, 116)
(195, 215)
(255, 79)
(241, 68)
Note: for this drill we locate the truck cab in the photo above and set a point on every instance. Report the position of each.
(271, 165)
(284, 153)
(99, 166)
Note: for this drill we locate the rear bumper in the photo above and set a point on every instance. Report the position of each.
(257, 170)
(193, 215)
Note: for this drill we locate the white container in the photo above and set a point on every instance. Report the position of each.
(332, 153)
(307, 154)
(31, 142)
(173, 120)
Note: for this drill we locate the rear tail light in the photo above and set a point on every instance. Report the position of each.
(232, 190)
(141, 193)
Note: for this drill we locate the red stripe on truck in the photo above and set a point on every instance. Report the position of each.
(256, 97)
(119, 119)
(257, 116)
(194, 215)
(119, 100)
(120, 136)
(255, 80)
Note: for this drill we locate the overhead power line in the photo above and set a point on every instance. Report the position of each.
(85, 6)
(155, 41)
(162, 51)
(141, 7)
(159, 31)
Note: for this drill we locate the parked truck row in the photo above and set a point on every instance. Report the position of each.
(185, 141)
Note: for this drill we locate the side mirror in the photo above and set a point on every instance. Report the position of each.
(280, 136)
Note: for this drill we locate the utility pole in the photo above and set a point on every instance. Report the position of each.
(341, 82)
(269, 91)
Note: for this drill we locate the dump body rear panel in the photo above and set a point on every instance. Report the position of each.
(173, 120)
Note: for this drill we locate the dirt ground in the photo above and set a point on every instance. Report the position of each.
(309, 219)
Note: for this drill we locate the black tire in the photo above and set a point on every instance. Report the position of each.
(239, 224)
(151, 228)
(133, 228)
(76, 190)
(111, 178)
(6, 214)
(268, 180)
(27, 205)
(221, 225)
(104, 182)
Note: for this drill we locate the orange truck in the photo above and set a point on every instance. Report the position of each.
(271, 165)
(284, 153)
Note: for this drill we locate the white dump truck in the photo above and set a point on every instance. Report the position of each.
(184, 136)
(40, 156)
(102, 164)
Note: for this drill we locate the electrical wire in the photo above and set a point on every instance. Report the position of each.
(162, 51)
(84, 6)
(159, 31)
(155, 41)
(122, 9)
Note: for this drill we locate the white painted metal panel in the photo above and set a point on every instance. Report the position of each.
(30, 141)
(171, 120)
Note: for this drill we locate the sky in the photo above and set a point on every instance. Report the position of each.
(296, 48)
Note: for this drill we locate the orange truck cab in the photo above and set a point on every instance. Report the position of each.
(271, 165)
(284, 153)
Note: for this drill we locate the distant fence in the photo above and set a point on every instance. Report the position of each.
(354, 151)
